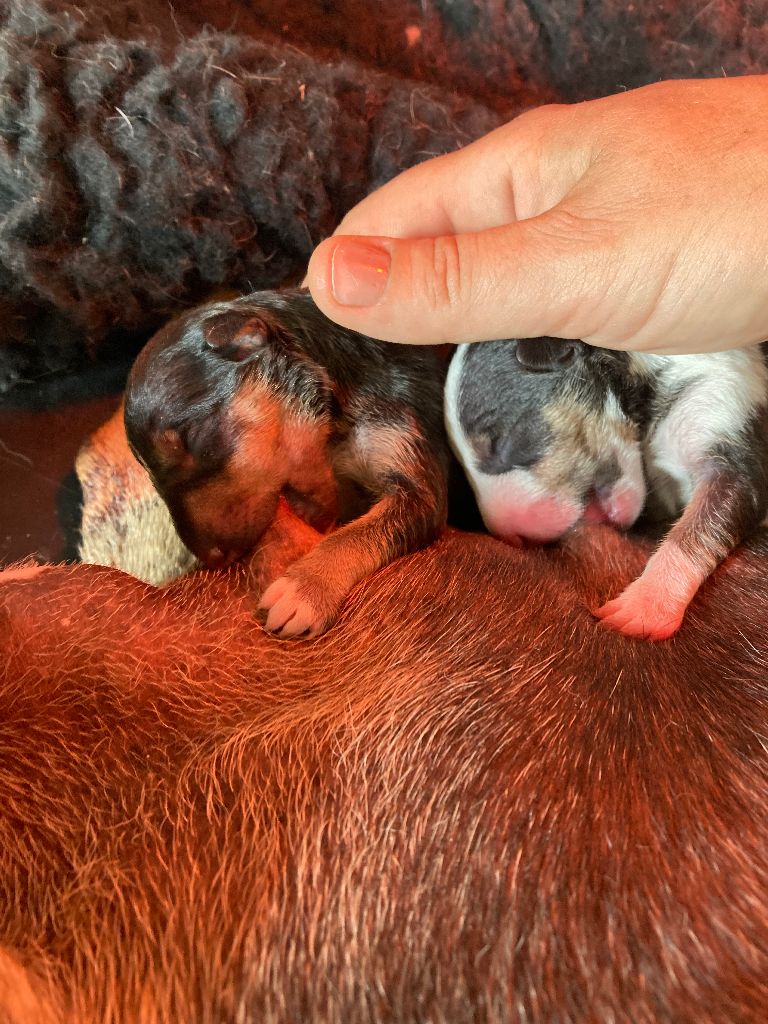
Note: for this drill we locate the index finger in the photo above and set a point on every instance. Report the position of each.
(516, 171)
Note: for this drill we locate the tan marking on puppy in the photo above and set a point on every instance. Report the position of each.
(250, 480)
(256, 416)
(376, 450)
(277, 446)
(268, 427)
(304, 446)
(582, 439)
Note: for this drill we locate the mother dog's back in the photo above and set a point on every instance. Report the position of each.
(465, 803)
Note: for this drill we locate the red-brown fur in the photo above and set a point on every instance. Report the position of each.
(465, 803)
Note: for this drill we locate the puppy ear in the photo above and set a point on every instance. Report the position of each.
(233, 338)
(543, 354)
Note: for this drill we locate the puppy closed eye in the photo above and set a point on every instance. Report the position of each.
(503, 451)
(169, 446)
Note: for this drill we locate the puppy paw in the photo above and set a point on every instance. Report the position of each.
(28, 571)
(643, 611)
(297, 606)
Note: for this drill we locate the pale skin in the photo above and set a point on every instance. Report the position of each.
(638, 222)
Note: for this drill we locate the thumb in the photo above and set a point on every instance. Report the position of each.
(547, 275)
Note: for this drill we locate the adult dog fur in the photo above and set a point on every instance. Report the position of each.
(469, 804)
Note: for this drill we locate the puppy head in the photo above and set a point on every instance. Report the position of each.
(220, 409)
(542, 430)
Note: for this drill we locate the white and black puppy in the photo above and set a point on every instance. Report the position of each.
(551, 431)
(238, 403)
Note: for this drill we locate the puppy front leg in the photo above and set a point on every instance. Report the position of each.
(287, 539)
(725, 508)
(308, 598)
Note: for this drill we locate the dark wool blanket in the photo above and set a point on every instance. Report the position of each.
(149, 153)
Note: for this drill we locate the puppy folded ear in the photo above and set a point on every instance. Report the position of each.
(234, 338)
(543, 354)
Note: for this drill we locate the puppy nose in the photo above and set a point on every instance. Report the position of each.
(215, 558)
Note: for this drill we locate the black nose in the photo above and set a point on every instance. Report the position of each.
(215, 558)
(543, 355)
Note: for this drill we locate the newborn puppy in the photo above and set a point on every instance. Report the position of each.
(238, 403)
(553, 431)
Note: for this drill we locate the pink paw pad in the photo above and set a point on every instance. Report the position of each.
(288, 613)
(642, 611)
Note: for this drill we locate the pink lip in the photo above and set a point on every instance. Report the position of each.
(540, 521)
(595, 513)
(620, 506)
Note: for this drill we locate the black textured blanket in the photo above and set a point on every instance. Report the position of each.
(149, 152)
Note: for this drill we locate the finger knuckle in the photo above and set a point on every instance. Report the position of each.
(541, 117)
(444, 272)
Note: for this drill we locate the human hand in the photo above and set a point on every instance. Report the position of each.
(637, 222)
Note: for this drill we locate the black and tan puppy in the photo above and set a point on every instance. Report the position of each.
(237, 403)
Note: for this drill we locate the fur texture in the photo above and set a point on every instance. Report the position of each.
(221, 159)
(465, 803)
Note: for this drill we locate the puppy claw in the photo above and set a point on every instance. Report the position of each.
(274, 592)
(297, 628)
